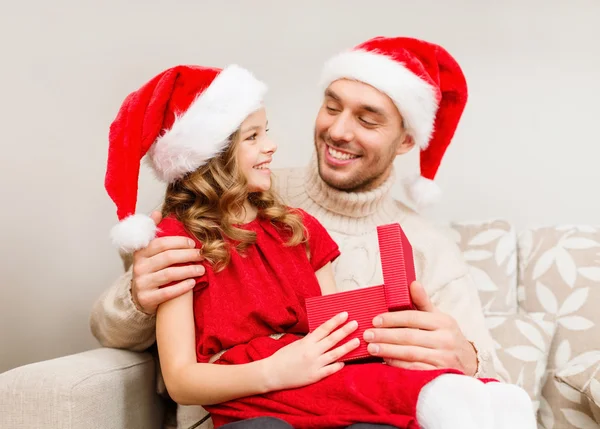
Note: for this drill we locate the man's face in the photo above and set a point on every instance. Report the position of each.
(358, 133)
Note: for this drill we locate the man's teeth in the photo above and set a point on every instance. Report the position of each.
(340, 155)
(262, 166)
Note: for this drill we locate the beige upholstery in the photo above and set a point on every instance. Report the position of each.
(102, 389)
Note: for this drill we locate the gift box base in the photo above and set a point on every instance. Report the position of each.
(364, 304)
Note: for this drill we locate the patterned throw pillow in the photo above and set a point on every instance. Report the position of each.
(559, 273)
(490, 249)
(522, 343)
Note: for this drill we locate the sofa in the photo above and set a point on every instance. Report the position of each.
(539, 288)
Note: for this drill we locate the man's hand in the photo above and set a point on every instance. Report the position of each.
(153, 267)
(424, 338)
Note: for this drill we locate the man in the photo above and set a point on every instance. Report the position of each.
(381, 99)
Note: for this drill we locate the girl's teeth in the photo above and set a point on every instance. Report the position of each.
(340, 155)
(262, 166)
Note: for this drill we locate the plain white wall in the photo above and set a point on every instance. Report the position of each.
(527, 149)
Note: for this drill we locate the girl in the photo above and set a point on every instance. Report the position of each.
(238, 343)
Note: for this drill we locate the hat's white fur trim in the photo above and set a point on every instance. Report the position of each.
(202, 131)
(133, 233)
(423, 192)
(414, 97)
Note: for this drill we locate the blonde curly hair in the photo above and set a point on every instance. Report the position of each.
(209, 200)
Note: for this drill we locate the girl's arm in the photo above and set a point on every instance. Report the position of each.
(326, 279)
(189, 382)
(298, 364)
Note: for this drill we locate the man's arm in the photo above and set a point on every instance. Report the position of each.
(123, 317)
(460, 299)
(116, 321)
(451, 335)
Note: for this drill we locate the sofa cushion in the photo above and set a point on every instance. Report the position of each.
(583, 375)
(522, 343)
(562, 406)
(490, 249)
(559, 273)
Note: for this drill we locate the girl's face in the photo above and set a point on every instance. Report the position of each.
(255, 151)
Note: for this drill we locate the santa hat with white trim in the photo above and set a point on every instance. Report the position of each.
(427, 86)
(181, 118)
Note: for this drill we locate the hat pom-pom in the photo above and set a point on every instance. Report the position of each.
(133, 233)
(424, 192)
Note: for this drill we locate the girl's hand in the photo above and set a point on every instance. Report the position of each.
(312, 358)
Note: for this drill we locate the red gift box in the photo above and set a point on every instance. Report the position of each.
(364, 304)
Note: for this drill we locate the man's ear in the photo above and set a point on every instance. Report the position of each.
(406, 145)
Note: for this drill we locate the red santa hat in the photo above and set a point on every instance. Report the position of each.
(427, 86)
(181, 118)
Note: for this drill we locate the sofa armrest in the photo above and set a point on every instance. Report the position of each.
(103, 388)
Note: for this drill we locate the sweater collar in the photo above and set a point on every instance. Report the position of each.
(350, 204)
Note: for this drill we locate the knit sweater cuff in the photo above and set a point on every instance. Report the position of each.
(485, 365)
(116, 322)
(135, 314)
